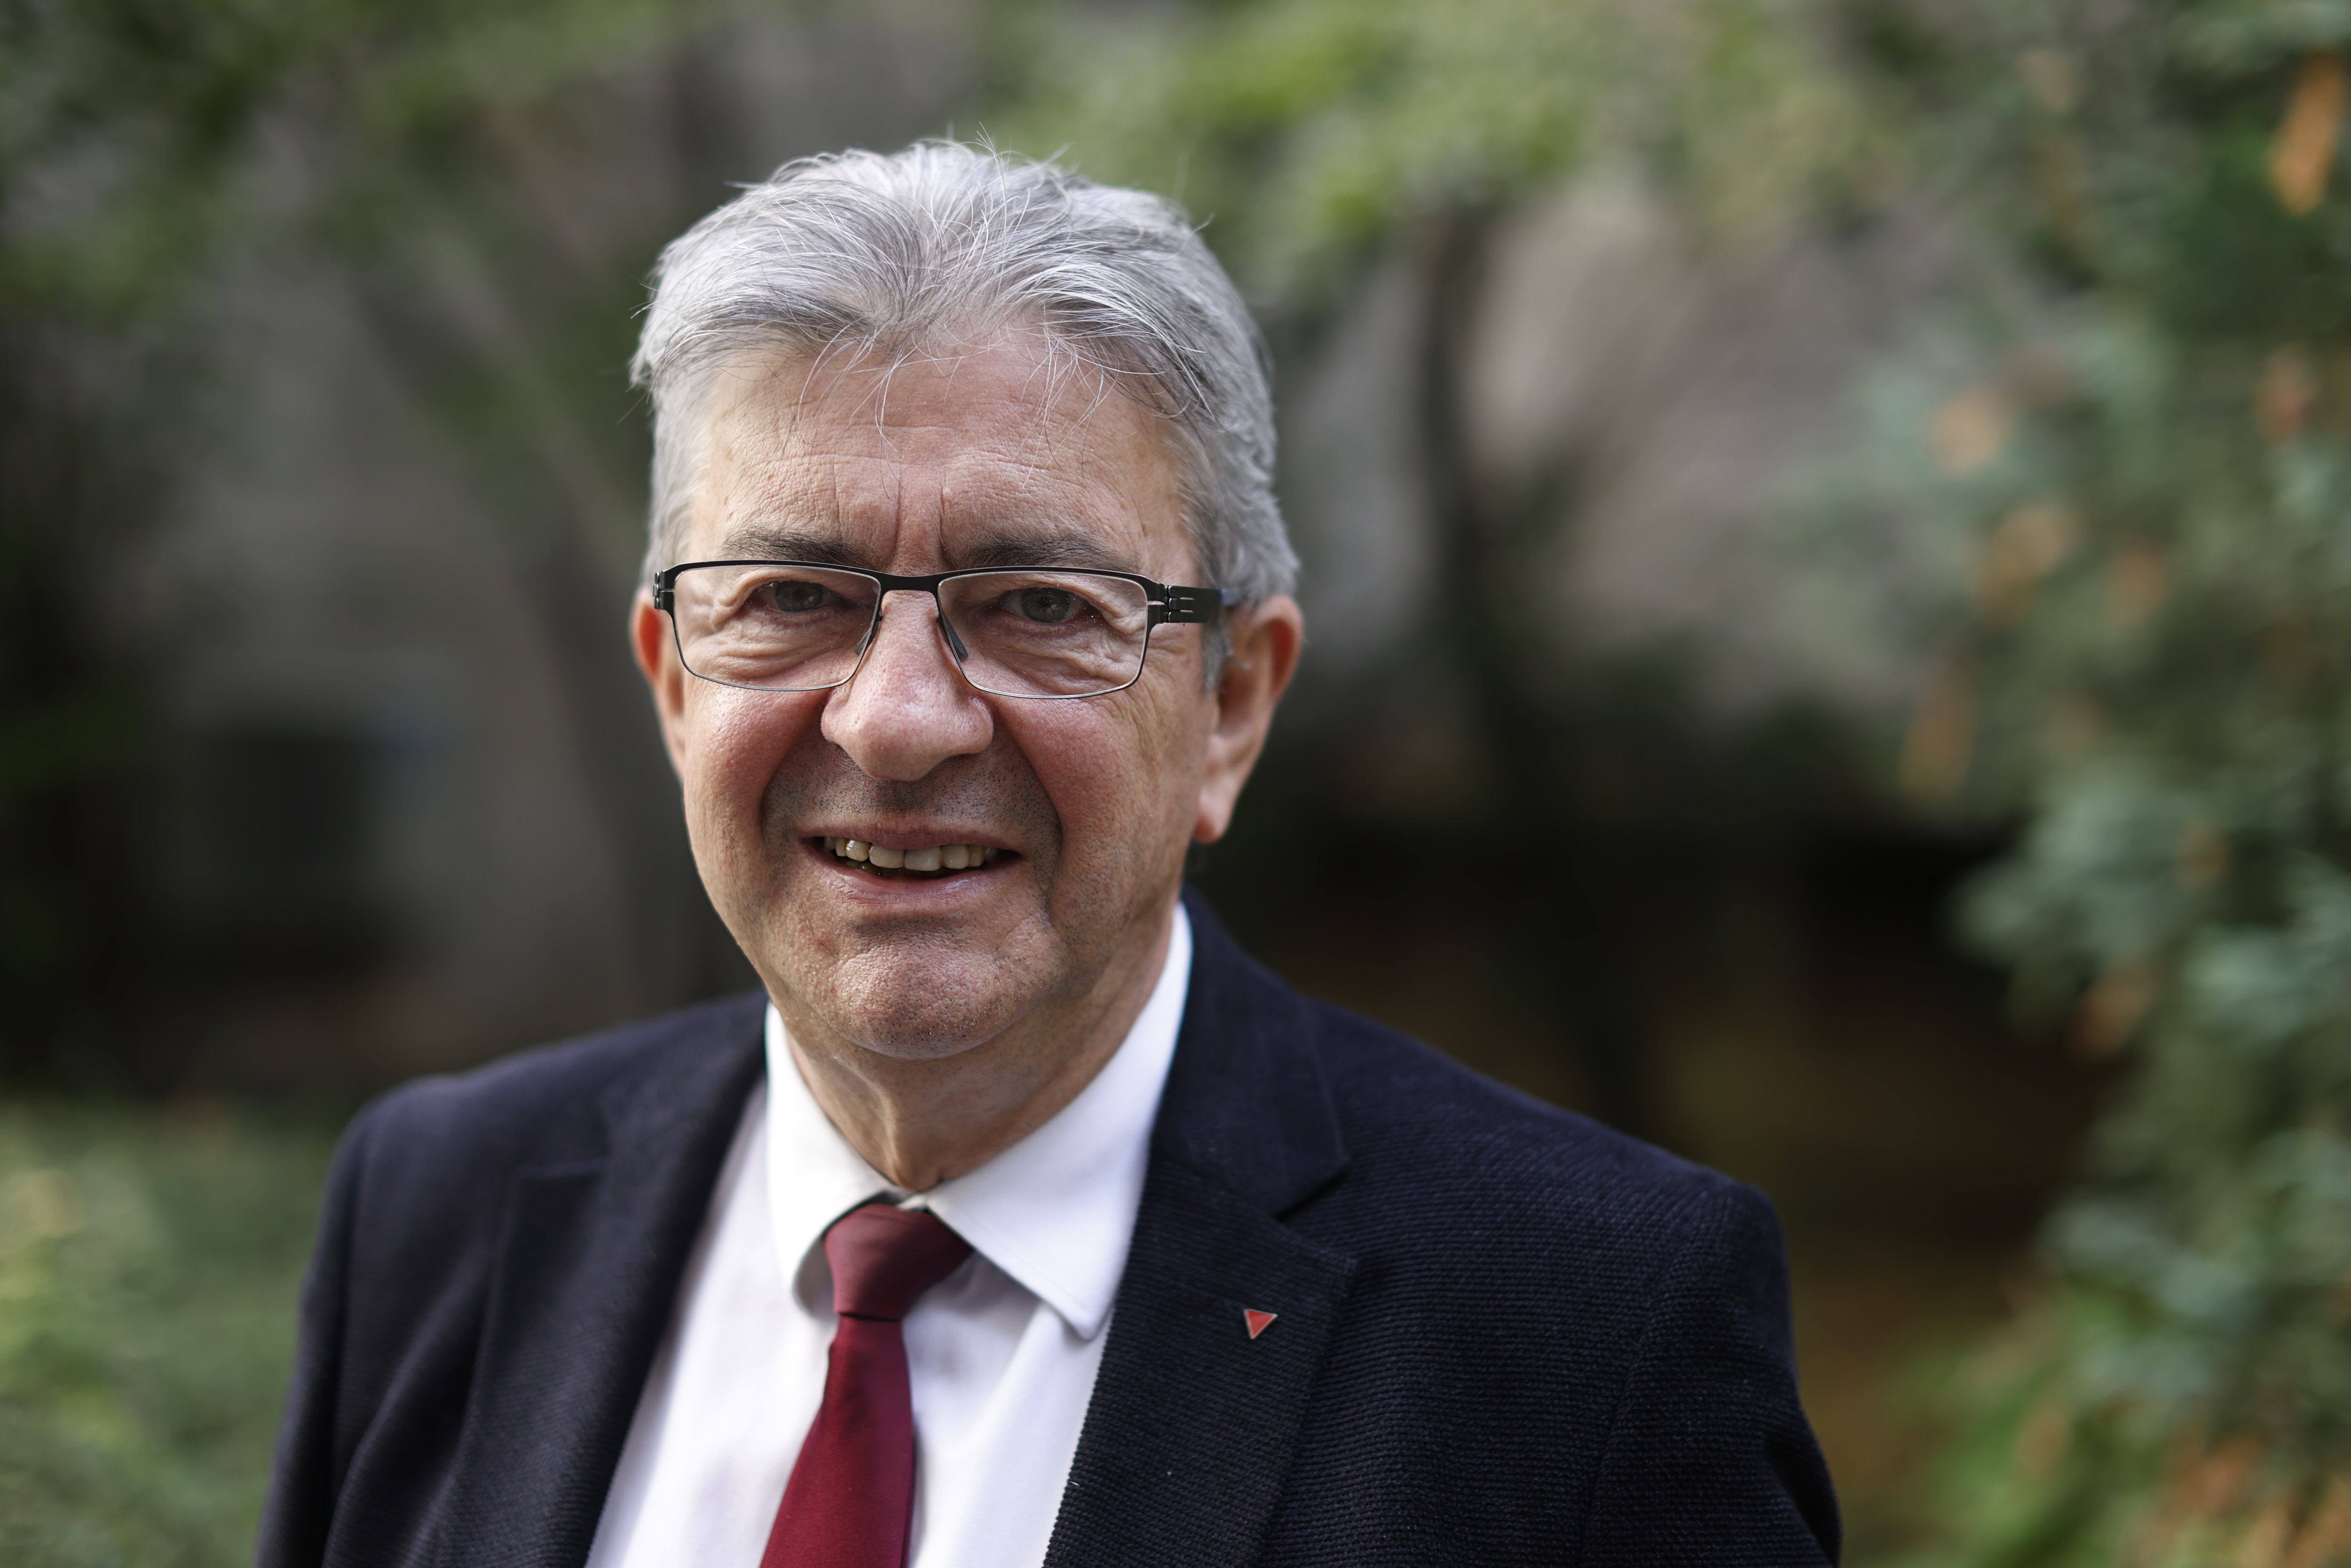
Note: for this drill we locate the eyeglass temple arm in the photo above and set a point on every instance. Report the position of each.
(1202, 604)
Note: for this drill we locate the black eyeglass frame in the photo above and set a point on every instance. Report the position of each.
(1165, 604)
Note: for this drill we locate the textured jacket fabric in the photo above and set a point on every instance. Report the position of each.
(1503, 1333)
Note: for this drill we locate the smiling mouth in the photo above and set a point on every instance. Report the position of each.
(930, 861)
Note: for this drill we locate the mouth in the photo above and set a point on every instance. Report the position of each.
(929, 863)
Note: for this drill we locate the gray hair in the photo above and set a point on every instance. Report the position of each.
(860, 253)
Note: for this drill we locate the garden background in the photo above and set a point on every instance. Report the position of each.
(1830, 609)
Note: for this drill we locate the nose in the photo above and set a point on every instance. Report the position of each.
(908, 708)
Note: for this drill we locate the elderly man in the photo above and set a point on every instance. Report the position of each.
(1019, 1219)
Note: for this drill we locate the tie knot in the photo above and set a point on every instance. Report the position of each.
(884, 1258)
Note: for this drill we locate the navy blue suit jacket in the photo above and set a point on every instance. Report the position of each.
(1505, 1334)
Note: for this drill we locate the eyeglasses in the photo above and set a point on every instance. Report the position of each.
(1022, 632)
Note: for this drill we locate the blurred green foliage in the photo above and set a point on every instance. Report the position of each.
(1304, 133)
(128, 127)
(149, 1266)
(2135, 477)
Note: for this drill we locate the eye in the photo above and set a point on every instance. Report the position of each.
(1046, 606)
(797, 595)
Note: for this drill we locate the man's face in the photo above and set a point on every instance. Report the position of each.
(988, 457)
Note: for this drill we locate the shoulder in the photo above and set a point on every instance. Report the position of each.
(434, 1140)
(1413, 1153)
(1397, 1098)
(1486, 1182)
(422, 1184)
(1552, 1340)
(423, 1217)
(1612, 1314)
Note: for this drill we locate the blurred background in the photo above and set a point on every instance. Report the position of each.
(1830, 608)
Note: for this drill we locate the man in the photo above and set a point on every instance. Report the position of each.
(1021, 1219)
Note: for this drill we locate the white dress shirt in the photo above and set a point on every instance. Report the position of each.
(1001, 1354)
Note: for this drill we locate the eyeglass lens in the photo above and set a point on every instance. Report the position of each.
(1016, 634)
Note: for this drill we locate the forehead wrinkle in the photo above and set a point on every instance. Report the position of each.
(1054, 450)
(798, 488)
(1048, 361)
(886, 375)
(855, 500)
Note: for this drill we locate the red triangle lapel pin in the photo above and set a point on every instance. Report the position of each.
(1257, 1320)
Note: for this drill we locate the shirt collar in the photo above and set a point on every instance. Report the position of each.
(1055, 1211)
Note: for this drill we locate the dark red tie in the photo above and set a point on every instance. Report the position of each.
(852, 1495)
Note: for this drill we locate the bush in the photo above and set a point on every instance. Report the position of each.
(150, 1263)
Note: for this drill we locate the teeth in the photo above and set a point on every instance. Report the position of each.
(931, 857)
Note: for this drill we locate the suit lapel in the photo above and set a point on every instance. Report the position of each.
(1189, 1435)
(592, 1255)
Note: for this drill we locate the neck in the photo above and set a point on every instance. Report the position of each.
(923, 1120)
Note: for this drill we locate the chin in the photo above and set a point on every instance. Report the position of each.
(921, 1008)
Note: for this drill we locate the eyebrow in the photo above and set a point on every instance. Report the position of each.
(1072, 549)
(754, 543)
(1063, 549)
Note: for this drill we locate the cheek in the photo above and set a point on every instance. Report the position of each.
(735, 741)
(1123, 785)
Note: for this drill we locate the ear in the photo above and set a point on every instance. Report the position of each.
(1265, 638)
(656, 650)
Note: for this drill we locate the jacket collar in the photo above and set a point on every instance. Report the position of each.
(1245, 1103)
(1225, 1312)
(591, 1253)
